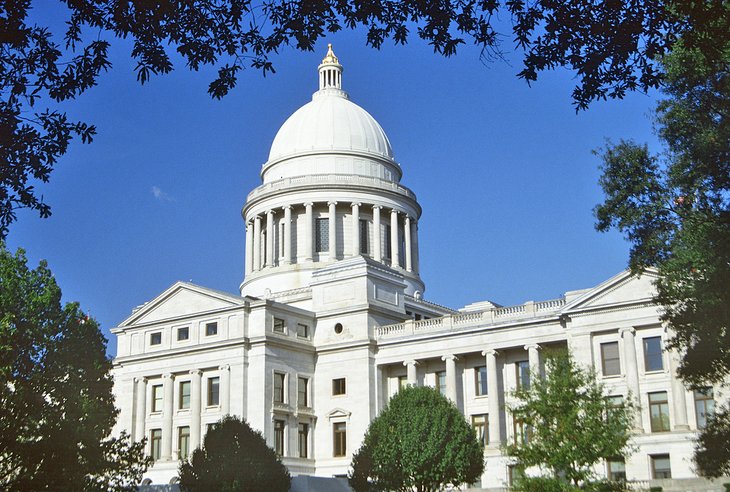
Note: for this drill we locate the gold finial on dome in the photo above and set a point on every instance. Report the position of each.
(330, 57)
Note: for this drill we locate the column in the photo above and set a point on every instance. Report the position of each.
(333, 229)
(225, 395)
(308, 232)
(679, 397)
(632, 373)
(414, 241)
(195, 408)
(495, 417)
(270, 234)
(249, 248)
(394, 253)
(533, 357)
(377, 254)
(287, 235)
(139, 429)
(407, 231)
(168, 381)
(450, 376)
(257, 243)
(411, 371)
(355, 229)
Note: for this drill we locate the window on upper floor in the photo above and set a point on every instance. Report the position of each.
(441, 381)
(523, 374)
(653, 354)
(480, 423)
(659, 411)
(156, 443)
(338, 387)
(183, 333)
(302, 392)
(213, 391)
(339, 434)
(522, 432)
(303, 440)
(613, 404)
(610, 361)
(616, 469)
(184, 402)
(157, 398)
(156, 338)
(704, 406)
(364, 237)
(279, 325)
(279, 387)
(183, 441)
(211, 329)
(279, 437)
(322, 236)
(480, 381)
(302, 330)
(661, 467)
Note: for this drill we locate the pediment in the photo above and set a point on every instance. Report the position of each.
(338, 413)
(182, 299)
(624, 288)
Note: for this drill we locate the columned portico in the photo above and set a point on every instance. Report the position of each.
(270, 233)
(394, 253)
(257, 243)
(355, 229)
(450, 376)
(287, 235)
(141, 409)
(195, 407)
(168, 381)
(308, 232)
(679, 397)
(632, 371)
(377, 253)
(225, 389)
(533, 357)
(249, 247)
(407, 232)
(411, 372)
(495, 438)
(332, 229)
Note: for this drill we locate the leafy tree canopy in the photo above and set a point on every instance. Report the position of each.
(234, 458)
(569, 426)
(674, 208)
(420, 441)
(612, 46)
(56, 403)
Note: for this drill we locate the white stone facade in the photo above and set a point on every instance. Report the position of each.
(331, 320)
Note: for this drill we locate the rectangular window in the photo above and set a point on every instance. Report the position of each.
(386, 243)
(402, 382)
(303, 440)
(653, 354)
(302, 330)
(156, 444)
(184, 402)
(613, 403)
(302, 392)
(211, 329)
(338, 387)
(661, 467)
(183, 333)
(213, 391)
(659, 411)
(156, 338)
(480, 380)
(480, 424)
(157, 398)
(610, 362)
(279, 380)
(183, 441)
(616, 469)
(441, 382)
(339, 433)
(322, 235)
(364, 239)
(523, 374)
(704, 406)
(279, 325)
(279, 437)
(522, 432)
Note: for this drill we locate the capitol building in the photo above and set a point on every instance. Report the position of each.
(332, 319)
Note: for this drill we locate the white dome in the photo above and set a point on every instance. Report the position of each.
(330, 122)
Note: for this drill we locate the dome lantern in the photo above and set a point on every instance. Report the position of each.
(330, 71)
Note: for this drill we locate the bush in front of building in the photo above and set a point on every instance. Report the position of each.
(234, 458)
(420, 441)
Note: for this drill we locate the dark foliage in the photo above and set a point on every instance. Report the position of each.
(56, 403)
(613, 47)
(234, 458)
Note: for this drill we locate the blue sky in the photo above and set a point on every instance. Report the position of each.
(504, 173)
